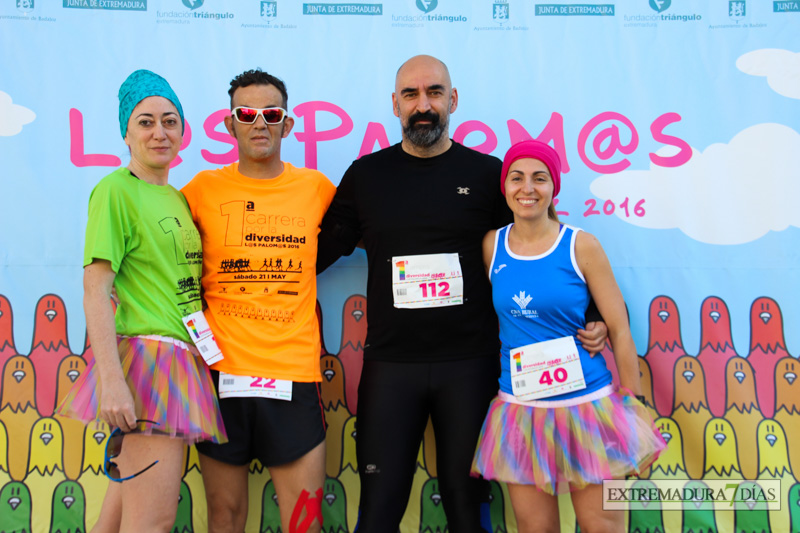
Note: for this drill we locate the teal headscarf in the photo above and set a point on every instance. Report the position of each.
(140, 85)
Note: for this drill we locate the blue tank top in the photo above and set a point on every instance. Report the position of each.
(539, 298)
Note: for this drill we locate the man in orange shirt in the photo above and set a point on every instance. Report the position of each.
(259, 219)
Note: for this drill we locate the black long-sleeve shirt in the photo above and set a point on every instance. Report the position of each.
(399, 205)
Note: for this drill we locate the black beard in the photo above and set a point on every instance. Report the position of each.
(424, 135)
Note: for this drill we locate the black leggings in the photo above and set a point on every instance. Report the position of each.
(394, 402)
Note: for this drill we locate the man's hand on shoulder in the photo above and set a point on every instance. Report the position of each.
(593, 338)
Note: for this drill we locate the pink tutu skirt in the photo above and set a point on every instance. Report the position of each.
(561, 449)
(169, 384)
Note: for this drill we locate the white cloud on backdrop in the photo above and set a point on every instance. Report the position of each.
(727, 194)
(780, 67)
(12, 116)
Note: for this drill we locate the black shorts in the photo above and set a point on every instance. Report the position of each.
(275, 432)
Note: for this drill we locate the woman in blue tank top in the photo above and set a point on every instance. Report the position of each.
(557, 424)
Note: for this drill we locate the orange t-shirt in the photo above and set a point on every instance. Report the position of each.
(259, 268)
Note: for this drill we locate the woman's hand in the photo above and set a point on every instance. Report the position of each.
(116, 405)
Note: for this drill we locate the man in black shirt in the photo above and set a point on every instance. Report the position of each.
(421, 209)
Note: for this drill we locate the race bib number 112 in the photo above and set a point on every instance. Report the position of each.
(431, 280)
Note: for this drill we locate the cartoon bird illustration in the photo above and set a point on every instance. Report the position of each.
(68, 508)
(787, 406)
(794, 508)
(428, 449)
(18, 412)
(410, 520)
(194, 483)
(71, 367)
(751, 515)
(721, 462)
(68, 371)
(690, 411)
(431, 515)
(335, 439)
(742, 412)
(92, 478)
(348, 477)
(50, 346)
(4, 475)
(270, 514)
(15, 508)
(670, 464)
(663, 350)
(334, 507)
(73, 431)
(716, 348)
(7, 347)
(698, 514)
(256, 480)
(183, 518)
(497, 516)
(646, 379)
(773, 463)
(351, 352)
(333, 383)
(335, 411)
(644, 515)
(767, 346)
(45, 468)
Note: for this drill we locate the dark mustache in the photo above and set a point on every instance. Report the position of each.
(430, 116)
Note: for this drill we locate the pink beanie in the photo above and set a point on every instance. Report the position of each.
(533, 150)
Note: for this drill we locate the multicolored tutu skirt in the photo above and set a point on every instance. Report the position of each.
(561, 449)
(169, 384)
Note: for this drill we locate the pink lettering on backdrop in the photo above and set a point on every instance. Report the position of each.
(76, 148)
(375, 133)
(210, 127)
(657, 130)
(310, 136)
(606, 142)
(553, 131)
(187, 138)
(465, 128)
(610, 134)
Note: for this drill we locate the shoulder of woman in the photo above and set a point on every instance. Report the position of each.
(113, 184)
(587, 246)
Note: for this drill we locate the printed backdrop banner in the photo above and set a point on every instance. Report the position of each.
(677, 124)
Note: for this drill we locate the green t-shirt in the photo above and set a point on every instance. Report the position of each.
(146, 232)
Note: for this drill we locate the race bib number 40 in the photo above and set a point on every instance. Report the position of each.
(431, 280)
(545, 369)
(232, 386)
